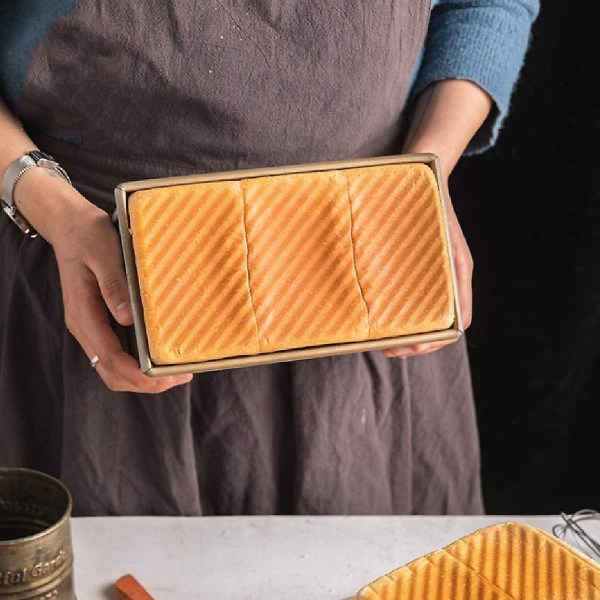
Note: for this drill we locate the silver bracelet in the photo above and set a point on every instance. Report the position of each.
(15, 171)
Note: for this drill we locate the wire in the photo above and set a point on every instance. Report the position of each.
(571, 523)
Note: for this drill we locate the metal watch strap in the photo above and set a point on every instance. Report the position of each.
(15, 171)
(13, 174)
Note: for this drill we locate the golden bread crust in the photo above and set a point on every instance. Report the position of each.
(236, 268)
(508, 561)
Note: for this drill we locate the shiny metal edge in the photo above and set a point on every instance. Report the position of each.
(151, 369)
(144, 184)
(435, 165)
(303, 353)
(32, 474)
(133, 283)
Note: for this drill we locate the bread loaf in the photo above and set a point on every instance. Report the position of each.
(191, 260)
(509, 561)
(300, 260)
(263, 264)
(400, 249)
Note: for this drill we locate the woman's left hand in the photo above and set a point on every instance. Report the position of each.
(447, 115)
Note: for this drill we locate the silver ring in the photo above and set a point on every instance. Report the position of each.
(94, 361)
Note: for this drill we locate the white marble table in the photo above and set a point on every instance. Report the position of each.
(247, 558)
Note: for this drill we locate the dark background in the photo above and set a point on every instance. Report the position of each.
(530, 209)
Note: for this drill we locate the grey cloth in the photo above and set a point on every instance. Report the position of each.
(120, 91)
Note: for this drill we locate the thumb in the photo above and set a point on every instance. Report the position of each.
(114, 290)
(112, 282)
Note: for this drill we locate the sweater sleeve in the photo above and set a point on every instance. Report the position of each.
(484, 41)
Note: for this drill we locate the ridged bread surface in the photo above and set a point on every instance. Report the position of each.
(301, 263)
(508, 561)
(400, 249)
(191, 259)
(236, 268)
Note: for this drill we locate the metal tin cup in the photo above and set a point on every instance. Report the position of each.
(36, 556)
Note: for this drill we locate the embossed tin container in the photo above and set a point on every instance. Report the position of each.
(121, 214)
(36, 556)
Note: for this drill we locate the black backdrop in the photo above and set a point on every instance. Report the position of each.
(530, 209)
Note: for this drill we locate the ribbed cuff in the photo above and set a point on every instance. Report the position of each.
(484, 44)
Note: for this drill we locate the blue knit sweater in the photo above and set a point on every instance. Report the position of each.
(481, 40)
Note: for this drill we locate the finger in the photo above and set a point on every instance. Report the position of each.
(464, 272)
(119, 371)
(432, 346)
(87, 319)
(463, 264)
(135, 380)
(415, 350)
(465, 293)
(105, 261)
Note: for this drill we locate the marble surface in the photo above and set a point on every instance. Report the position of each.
(248, 558)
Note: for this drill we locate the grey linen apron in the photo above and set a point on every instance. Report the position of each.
(122, 90)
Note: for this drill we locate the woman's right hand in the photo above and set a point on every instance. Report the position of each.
(88, 254)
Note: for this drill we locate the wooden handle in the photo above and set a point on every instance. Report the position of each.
(129, 588)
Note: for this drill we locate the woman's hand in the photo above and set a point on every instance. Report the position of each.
(92, 277)
(447, 115)
(463, 264)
